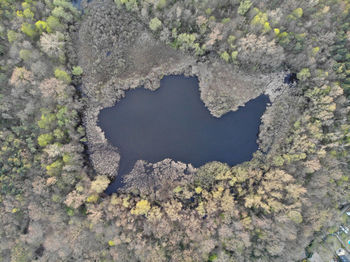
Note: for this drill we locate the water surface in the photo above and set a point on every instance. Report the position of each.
(172, 122)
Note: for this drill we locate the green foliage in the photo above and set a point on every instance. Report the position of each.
(187, 42)
(54, 23)
(56, 198)
(92, 198)
(70, 211)
(212, 19)
(283, 38)
(207, 174)
(59, 134)
(129, 4)
(259, 19)
(47, 120)
(213, 257)
(26, 4)
(142, 207)
(231, 40)
(187, 39)
(111, 243)
(67, 158)
(42, 26)
(278, 161)
(77, 71)
(12, 36)
(225, 20)
(155, 24)
(161, 4)
(67, 5)
(315, 50)
(245, 193)
(45, 139)
(234, 55)
(177, 189)
(198, 190)
(25, 54)
(55, 168)
(298, 13)
(27, 13)
(304, 74)
(295, 216)
(267, 27)
(225, 56)
(29, 30)
(63, 76)
(208, 11)
(100, 184)
(244, 6)
(59, 12)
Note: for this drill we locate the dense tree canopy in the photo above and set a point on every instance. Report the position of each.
(52, 205)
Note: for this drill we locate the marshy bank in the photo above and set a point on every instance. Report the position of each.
(173, 122)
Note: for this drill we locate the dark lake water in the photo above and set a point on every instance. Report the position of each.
(172, 122)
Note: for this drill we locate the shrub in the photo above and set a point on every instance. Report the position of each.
(304, 74)
(244, 6)
(65, 4)
(278, 161)
(225, 56)
(53, 23)
(231, 40)
(259, 19)
(47, 120)
(55, 168)
(207, 174)
(67, 158)
(208, 11)
(298, 13)
(161, 4)
(63, 76)
(59, 12)
(45, 139)
(111, 243)
(25, 54)
(295, 216)
(315, 50)
(155, 24)
(129, 4)
(198, 190)
(12, 36)
(225, 20)
(267, 27)
(27, 13)
(100, 184)
(42, 26)
(77, 70)
(59, 134)
(29, 30)
(234, 55)
(92, 199)
(142, 207)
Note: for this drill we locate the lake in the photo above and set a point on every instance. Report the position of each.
(172, 122)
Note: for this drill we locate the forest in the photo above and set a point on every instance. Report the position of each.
(55, 165)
